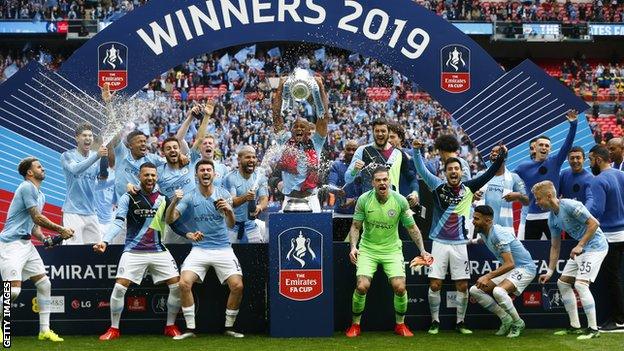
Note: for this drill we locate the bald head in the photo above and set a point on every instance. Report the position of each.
(615, 149)
(350, 148)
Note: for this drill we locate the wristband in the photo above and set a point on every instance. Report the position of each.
(549, 271)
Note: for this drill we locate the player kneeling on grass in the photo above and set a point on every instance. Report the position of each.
(381, 210)
(143, 214)
(512, 277)
(585, 258)
(208, 211)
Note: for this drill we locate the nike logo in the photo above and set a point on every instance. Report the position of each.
(369, 211)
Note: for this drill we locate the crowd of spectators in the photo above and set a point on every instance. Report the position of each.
(462, 10)
(66, 9)
(528, 11)
(243, 113)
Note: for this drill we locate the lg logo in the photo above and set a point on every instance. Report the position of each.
(76, 304)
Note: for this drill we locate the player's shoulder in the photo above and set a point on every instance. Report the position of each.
(567, 203)
(503, 233)
(68, 153)
(26, 186)
(222, 192)
(398, 196)
(367, 195)
(523, 165)
(231, 175)
(585, 174)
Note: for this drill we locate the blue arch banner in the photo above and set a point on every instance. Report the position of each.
(491, 105)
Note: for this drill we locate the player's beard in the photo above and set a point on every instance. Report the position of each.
(595, 169)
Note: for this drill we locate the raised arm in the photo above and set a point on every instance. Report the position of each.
(408, 170)
(184, 127)
(77, 168)
(201, 132)
(567, 144)
(321, 123)
(278, 119)
(431, 180)
(477, 183)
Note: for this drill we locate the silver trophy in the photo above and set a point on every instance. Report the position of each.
(298, 87)
(297, 205)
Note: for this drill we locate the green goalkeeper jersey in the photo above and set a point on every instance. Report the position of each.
(381, 221)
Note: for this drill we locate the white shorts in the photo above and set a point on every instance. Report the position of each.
(19, 260)
(134, 266)
(86, 229)
(172, 238)
(313, 201)
(519, 277)
(254, 235)
(224, 261)
(447, 256)
(585, 266)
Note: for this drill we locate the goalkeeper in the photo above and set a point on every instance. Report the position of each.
(380, 210)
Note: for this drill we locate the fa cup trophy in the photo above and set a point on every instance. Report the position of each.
(299, 87)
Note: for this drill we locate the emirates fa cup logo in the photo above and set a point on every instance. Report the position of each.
(299, 247)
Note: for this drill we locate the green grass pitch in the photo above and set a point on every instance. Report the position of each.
(531, 340)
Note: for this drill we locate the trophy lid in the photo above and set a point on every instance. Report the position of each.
(297, 205)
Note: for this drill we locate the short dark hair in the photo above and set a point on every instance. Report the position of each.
(577, 149)
(82, 127)
(600, 151)
(25, 164)
(380, 169)
(533, 140)
(162, 146)
(396, 128)
(542, 137)
(133, 134)
(203, 162)
(484, 210)
(446, 143)
(379, 122)
(147, 165)
(452, 160)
